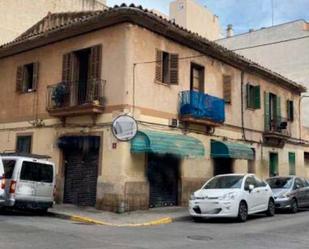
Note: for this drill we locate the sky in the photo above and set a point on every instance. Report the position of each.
(242, 14)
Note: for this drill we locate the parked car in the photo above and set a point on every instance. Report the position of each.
(2, 184)
(290, 192)
(232, 195)
(29, 181)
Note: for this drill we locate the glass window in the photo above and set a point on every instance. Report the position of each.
(299, 183)
(9, 166)
(220, 182)
(259, 183)
(37, 172)
(280, 182)
(250, 181)
(23, 144)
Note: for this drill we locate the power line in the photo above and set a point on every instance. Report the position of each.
(271, 43)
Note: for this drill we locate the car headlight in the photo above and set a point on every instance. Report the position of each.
(228, 196)
(283, 196)
(192, 197)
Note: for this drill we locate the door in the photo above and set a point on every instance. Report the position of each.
(163, 177)
(197, 78)
(292, 162)
(81, 170)
(45, 182)
(273, 164)
(263, 194)
(223, 166)
(253, 197)
(299, 187)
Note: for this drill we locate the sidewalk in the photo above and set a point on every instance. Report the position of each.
(149, 217)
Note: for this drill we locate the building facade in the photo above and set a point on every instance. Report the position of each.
(30, 12)
(201, 109)
(195, 17)
(282, 48)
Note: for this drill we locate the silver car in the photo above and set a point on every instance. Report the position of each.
(290, 192)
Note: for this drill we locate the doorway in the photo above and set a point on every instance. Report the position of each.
(223, 166)
(273, 164)
(163, 177)
(81, 157)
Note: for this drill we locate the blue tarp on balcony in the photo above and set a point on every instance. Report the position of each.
(202, 106)
(166, 143)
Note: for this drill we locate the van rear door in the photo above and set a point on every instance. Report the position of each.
(9, 167)
(2, 183)
(45, 183)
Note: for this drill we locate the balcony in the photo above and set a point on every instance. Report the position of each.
(277, 130)
(76, 98)
(201, 108)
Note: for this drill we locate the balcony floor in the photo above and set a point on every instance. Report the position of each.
(190, 119)
(84, 109)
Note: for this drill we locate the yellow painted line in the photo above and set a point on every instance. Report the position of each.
(166, 220)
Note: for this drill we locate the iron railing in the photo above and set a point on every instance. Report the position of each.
(75, 93)
(201, 106)
(277, 124)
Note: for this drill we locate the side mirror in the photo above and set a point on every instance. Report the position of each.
(251, 187)
(297, 186)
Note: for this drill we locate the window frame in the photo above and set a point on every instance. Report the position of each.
(253, 96)
(19, 136)
(22, 84)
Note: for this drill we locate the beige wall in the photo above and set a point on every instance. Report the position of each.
(196, 18)
(31, 11)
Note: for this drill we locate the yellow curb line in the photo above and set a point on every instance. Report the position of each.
(161, 221)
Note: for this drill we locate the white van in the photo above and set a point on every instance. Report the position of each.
(29, 181)
(2, 184)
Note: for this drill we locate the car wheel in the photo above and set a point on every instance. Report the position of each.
(242, 211)
(271, 208)
(294, 206)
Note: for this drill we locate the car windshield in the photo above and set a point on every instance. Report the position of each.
(282, 182)
(224, 182)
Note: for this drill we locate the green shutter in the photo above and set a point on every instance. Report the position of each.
(257, 97)
(248, 95)
(292, 162)
(278, 107)
(266, 110)
(290, 110)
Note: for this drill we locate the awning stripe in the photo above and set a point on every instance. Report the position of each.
(221, 149)
(166, 143)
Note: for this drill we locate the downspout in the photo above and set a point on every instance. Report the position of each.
(242, 106)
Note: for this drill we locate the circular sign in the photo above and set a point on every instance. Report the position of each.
(124, 127)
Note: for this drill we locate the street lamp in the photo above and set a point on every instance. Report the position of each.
(300, 124)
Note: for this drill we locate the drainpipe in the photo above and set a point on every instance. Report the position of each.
(299, 116)
(242, 105)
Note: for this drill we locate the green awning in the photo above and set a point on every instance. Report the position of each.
(166, 143)
(220, 149)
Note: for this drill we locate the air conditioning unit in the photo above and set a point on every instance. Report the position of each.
(173, 122)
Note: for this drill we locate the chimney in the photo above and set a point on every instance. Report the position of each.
(229, 31)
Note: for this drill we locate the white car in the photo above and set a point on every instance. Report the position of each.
(232, 195)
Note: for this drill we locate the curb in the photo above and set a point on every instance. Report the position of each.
(162, 221)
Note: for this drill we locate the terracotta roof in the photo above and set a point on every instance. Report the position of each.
(50, 29)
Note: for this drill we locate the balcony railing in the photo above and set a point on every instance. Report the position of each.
(74, 97)
(277, 125)
(201, 106)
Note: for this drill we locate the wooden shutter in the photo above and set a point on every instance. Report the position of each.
(290, 110)
(95, 62)
(266, 111)
(67, 67)
(173, 69)
(248, 96)
(159, 63)
(35, 75)
(257, 97)
(19, 79)
(227, 88)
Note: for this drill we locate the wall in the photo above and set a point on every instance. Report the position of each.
(196, 18)
(30, 12)
(287, 58)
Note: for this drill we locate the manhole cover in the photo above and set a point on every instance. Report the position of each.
(200, 237)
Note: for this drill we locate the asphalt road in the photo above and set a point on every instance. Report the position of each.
(28, 231)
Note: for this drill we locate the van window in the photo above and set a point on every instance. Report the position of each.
(36, 172)
(9, 166)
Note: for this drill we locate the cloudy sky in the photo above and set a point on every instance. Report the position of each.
(243, 14)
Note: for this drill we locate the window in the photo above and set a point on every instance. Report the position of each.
(298, 183)
(253, 97)
(290, 110)
(220, 182)
(197, 78)
(306, 159)
(166, 68)
(23, 144)
(249, 181)
(227, 89)
(259, 183)
(292, 163)
(27, 77)
(37, 172)
(9, 166)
